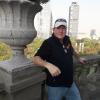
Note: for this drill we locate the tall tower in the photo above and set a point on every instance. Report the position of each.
(93, 34)
(73, 19)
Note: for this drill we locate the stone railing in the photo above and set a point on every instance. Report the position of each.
(87, 77)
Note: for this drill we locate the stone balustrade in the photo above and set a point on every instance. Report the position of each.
(87, 77)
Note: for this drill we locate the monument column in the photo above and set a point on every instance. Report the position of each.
(21, 78)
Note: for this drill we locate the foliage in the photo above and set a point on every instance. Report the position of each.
(33, 47)
(91, 46)
(5, 51)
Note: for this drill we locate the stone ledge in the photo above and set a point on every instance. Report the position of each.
(1, 86)
(17, 86)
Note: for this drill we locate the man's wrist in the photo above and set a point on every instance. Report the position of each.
(46, 64)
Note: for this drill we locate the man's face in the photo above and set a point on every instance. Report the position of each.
(59, 32)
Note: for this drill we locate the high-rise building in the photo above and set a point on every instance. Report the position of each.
(93, 34)
(43, 21)
(73, 19)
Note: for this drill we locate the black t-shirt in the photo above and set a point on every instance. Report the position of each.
(61, 55)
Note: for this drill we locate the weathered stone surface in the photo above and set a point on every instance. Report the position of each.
(89, 79)
(20, 77)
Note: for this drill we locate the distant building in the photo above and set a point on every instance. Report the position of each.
(73, 19)
(93, 34)
(82, 35)
(43, 21)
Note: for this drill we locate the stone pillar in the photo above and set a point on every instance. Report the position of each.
(21, 78)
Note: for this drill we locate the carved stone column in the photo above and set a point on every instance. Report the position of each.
(22, 80)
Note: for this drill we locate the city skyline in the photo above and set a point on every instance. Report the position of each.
(88, 13)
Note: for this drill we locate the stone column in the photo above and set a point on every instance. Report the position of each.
(21, 78)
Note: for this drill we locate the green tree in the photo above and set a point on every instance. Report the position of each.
(5, 51)
(91, 46)
(33, 47)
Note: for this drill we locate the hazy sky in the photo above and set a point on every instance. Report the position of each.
(89, 13)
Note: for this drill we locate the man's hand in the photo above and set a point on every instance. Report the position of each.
(82, 60)
(54, 70)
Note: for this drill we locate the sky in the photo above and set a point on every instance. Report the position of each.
(89, 13)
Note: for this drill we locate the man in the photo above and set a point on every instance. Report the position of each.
(56, 56)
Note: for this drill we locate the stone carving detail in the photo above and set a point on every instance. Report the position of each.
(17, 22)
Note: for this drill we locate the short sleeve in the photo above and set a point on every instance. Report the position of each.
(44, 50)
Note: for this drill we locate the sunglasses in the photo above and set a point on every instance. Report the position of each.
(60, 20)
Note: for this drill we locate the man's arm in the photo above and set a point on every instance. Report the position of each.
(81, 60)
(54, 70)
